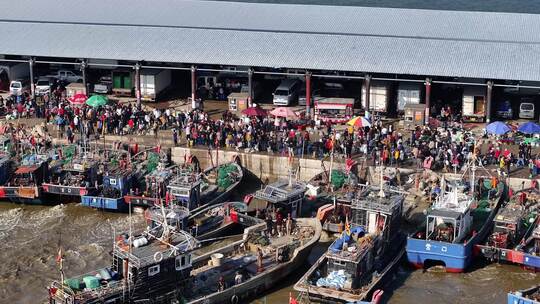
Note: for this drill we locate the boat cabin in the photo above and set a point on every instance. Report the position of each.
(186, 189)
(450, 219)
(508, 226)
(284, 194)
(375, 222)
(5, 168)
(29, 175)
(117, 180)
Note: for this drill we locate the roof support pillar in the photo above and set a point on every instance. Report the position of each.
(137, 68)
(250, 87)
(427, 84)
(83, 66)
(193, 87)
(367, 89)
(308, 94)
(31, 63)
(489, 97)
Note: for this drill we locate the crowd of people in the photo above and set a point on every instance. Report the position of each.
(448, 147)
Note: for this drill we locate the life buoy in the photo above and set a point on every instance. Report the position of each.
(158, 256)
(234, 299)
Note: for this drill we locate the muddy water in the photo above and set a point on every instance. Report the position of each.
(29, 238)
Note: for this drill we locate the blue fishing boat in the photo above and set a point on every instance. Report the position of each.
(454, 225)
(526, 296)
(516, 232)
(110, 195)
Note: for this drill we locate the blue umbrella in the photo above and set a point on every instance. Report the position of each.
(529, 128)
(498, 128)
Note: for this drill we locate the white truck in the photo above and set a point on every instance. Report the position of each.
(154, 83)
(378, 97)
(66, 75)
(104, 86)
(408, 93)
(12, 71)
(474, 104)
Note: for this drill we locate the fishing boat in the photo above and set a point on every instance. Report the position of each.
(515, 237)
(24, 183)
(214, 185)
(455, 223)
(117, 180)
(526, 296)
(370, 248)
(154, 190)
(147, 267)
(73, 179)
(246, 268)
(215, 220)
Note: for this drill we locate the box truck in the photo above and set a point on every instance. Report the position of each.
(122, 82)
(378, 100)
(474, 104)
(408, 93)
(154, 83)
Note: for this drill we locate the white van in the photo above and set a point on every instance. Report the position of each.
(526, 110)
(18, 87)
(287, 92)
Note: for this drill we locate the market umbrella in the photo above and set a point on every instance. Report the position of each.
(359, 122)
(284, 112)
(97, 100)
(254, 111)
(498, 128)
(529, 128)
(79, 98)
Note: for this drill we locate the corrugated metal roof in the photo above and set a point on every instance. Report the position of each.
(379, 40)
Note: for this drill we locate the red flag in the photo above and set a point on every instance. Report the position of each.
(291, 299)
(60, 256)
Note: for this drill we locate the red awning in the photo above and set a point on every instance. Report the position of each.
(26, 169)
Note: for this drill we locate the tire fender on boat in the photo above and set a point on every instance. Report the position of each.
(158, 256)
(234, 299)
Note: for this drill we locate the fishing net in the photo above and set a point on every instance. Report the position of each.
(153, 162)
(226, 176)
(338, 178)
(68, 152)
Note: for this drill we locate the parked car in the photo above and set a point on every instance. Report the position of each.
(526, 109)
(19, 87)
(104, 86)
(287, 92)
(66, 75)
(43, 86)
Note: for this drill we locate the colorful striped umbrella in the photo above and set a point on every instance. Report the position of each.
(359, 122)
(78, 98)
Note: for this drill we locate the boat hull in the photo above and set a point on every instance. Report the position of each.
(509, 256)
(98, 202)
(22, 195)
(523, 296)
(142, 201)
(67, 191)
(256, 285)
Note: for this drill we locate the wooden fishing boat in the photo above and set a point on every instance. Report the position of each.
(24, 182)
(370, 248)
(526, 296)
(214, 220)
(73, 179)
(515, 237)
(154, 190)
(110, 195)
(250, 266)
(198, 191)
